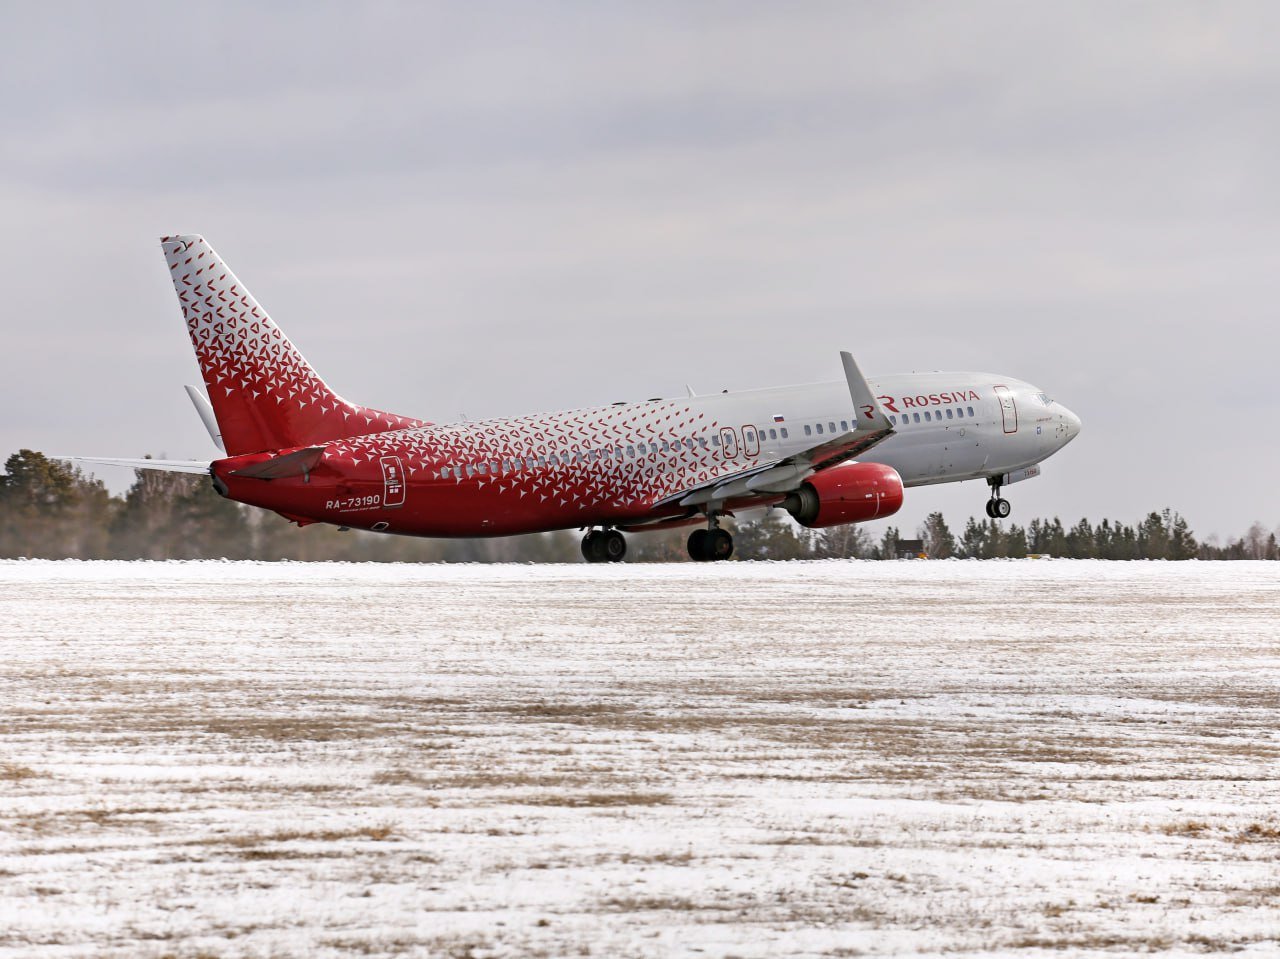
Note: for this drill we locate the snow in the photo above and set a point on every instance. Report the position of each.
(748, 759)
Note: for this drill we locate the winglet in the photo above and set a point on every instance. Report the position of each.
(206, 416)
(866, 407)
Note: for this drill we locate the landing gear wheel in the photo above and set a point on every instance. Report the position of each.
(719, 544)
(591, 547)
(1001, 508)
(604, 546)
(991, 509)
(698, 551)
(613, 546)
(710, 545)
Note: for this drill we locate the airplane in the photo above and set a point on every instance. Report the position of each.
(826, 453)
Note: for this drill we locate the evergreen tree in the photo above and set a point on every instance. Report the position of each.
(49, 510)
(771, 538)
(849, 541)
(938, 541)
(1015, 542)
(1080, 541)
(889, 543)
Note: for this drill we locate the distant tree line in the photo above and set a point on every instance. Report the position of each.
(49, 510)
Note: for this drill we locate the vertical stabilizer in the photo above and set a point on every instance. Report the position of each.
(265, 396)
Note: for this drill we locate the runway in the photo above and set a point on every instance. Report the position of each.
(747, 759)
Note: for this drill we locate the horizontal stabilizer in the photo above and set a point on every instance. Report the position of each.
(167, 466)
(297, 463)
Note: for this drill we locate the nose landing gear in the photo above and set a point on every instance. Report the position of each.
(712, 544)
(603, 546)
(997, 506)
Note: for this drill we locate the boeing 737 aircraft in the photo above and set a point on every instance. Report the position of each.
(827, 453)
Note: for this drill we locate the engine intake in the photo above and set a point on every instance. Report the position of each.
(854, 493)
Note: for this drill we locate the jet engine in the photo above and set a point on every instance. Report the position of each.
(846, 494)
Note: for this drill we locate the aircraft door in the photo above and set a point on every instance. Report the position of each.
(392, 481)
(1008, 410)
(729, 442)
(750, 441)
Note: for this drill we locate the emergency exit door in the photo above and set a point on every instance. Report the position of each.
(1008, 410)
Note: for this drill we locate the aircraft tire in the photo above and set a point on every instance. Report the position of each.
(991, 509)
(698, 546)
(613, 546)
(1001, 508)
(719, 545)
(592, 550)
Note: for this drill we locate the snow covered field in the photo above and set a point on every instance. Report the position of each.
(822, 759)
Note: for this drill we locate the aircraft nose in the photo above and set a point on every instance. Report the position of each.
(1072, 423)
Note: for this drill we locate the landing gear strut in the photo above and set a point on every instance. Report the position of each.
(603, 546)
(997, 507)
(712, 544)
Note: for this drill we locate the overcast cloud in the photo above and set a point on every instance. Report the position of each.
(499, 208)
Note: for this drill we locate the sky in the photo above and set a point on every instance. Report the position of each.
(500, 208)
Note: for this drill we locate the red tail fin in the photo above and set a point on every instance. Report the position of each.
(264, 394)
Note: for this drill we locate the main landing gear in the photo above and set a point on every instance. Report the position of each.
(997, 507)
(603, 546)
(710, 545)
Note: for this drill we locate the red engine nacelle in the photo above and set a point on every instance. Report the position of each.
(846, 494)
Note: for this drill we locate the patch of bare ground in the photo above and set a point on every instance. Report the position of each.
(506, 779)
(1092, 940)
(439, 947)
(12, 772)
(1191, 828)
(376, 833)
(1257, 896)
(651, 904)
(46, 823)
(1258, 832)
(580, 800)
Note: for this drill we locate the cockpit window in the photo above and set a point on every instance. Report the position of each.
(1044, 398)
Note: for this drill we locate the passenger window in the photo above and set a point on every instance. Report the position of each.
(773, 434)
(970, 409)
(948, 414)
(916, 417)
(665, 447)
(819, 429)
(893, 420)
(844, 426)
(471, 470)
(832, 427)
(808, 430)
(631, 452)
(784, 433)
(927, 417)
(715, 441)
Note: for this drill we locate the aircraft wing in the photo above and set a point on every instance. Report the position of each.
(786, 474)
